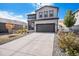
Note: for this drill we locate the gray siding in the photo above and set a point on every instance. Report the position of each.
(31, 25)
(55, 12)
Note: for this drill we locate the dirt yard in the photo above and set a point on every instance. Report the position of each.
(10, 37)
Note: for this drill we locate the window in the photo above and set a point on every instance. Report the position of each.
(45, 13)
(40, 14)
(51, 13)
(31, 17)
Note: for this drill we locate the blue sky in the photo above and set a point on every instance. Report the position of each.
(20, 10)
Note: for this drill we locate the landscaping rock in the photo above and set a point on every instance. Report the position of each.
(56, 50)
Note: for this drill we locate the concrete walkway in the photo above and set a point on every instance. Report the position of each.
(35, 44)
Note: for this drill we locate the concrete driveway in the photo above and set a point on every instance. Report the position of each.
(35, 44)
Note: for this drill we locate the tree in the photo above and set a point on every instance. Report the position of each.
(69, 19)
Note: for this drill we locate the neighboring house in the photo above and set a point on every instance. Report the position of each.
(17, 25)
(76, 13)
(61, 25)
(45, 19)
(76, 25)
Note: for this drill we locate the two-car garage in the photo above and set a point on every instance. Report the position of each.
(49, 27)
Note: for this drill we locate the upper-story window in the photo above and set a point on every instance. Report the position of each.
(51, 13)
(40, 14)
(45, 13)
(31, 16)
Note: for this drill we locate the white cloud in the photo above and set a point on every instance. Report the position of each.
(38, 5)
(61, 19)
(33, 12)
(12, 16)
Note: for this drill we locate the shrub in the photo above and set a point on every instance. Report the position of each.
(68, 42)
(21, 31)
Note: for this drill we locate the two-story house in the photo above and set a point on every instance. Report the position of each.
(45, 19)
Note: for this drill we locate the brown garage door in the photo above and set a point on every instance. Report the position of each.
(45, 27)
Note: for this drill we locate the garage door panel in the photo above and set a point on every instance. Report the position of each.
(45, 27)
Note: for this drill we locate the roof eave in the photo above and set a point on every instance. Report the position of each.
(76, 11)
(46, 6)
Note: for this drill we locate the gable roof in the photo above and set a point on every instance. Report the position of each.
(4, 20)
(46, 6)
(76, 11)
